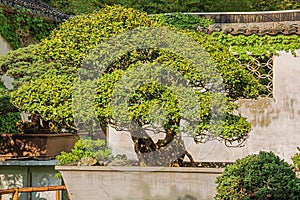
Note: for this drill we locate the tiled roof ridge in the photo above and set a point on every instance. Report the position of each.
(262, 28)
(37, 7)
(251, 17)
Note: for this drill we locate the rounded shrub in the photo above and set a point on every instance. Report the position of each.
(260, 176)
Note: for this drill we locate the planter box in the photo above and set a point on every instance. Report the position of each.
(159, 183)
(35, 146)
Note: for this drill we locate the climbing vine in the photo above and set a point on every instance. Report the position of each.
(182, 21)
(19, 26)
(259, 46)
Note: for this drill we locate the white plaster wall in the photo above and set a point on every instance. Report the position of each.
(275, 121)
(4, 46)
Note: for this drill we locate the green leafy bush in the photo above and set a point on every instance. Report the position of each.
(24, 65)
(9, 115)
(85, 148)
(182, 21)
(76, 37)
(261, 176)
(296, 159)
(49, 96)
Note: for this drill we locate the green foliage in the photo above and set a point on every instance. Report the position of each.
(261, 176)
(51, 95)
(8, 122)
(250, 5)
(21, 24)
(76, 37)
(182, 21)
(296, 159)
(9, 115)
(238, 82)
(75, 7)
(23, 64)
(259, 46)
(84, 148)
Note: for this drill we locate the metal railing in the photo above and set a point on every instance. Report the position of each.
(15, 191)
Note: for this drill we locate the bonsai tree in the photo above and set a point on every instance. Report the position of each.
(260, 176)
(72, 48)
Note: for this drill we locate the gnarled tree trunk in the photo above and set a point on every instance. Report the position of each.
(169, 151)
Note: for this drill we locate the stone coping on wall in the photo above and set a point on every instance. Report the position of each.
(259, 28)
(28, 163)
(141, 169)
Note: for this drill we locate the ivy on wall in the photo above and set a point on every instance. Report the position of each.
(182, 21)
(18, 26)
(259, 46)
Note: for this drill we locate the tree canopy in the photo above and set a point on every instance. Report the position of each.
(50, 90)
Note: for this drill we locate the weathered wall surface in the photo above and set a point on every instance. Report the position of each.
(275, 121)
(4, 46)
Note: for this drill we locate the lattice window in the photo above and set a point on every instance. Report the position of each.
(262, 69)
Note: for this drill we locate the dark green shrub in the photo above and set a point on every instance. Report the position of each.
(9, 115)
(261, 176)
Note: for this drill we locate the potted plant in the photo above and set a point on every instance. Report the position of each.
(34, 138)
(176, 82)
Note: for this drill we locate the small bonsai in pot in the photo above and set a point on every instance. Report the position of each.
(62, 55)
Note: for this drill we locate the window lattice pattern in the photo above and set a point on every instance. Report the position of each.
(262, 69)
